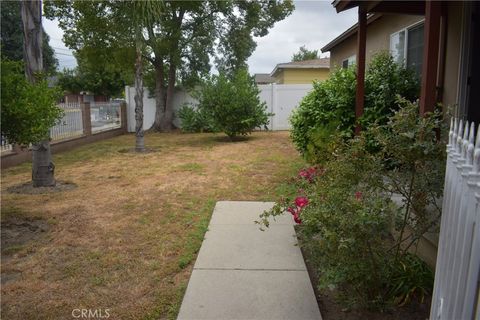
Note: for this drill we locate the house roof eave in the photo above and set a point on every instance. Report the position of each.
(349, 32)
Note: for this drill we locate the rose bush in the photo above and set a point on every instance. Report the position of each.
(349, 222)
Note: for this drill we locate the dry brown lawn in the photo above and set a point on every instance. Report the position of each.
(126, 238)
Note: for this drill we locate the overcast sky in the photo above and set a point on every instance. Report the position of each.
(312, 23)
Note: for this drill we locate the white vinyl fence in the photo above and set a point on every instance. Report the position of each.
(456, 289)
(281, 99)
(180, 98)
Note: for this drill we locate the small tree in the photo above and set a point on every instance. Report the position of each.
(305, 54)
(28, 112)
(42, 165)
(234, 103)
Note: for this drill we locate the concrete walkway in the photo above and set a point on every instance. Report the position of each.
(244, 273)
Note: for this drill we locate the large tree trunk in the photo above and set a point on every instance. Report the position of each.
(139, 134)
(43, 168)
(166, 123)
(159, 95)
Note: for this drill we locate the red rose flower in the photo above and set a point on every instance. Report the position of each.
(301, 201)
(292, 211)
(297, 219)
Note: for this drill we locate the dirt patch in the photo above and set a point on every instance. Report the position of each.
(17, 231)
(27, 188)
(331, 310)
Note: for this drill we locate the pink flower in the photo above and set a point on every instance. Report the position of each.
(358, 195)
(301, 202)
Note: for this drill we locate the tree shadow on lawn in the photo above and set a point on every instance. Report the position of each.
(227, 139)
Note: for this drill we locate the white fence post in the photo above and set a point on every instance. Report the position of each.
(458, 259)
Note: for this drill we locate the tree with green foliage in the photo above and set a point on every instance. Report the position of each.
(11, 40)
(233, 103)
(305, 54)
(180, 42)
(28, 106)
(114, 46)
(28, 109)
(70, 81)
(100, 81)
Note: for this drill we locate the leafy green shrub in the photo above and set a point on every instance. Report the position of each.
(322, 142)
(384, 80)
(196, 120)
(28, 111)
(332, 102)
(348, 218)
(233, 103)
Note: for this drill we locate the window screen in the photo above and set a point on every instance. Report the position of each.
(397, 46)
(415, 49)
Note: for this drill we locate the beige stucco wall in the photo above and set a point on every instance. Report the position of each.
(378, 37)
(301, 76)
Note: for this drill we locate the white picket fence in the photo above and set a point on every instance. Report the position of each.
(70, 125)
(456, 289)
(103, 116)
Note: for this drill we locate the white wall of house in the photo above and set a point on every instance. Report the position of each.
(281, 99)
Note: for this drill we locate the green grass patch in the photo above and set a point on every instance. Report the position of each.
(195, 237)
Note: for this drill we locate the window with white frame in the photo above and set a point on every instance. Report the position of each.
(406, 47)
(349, 62)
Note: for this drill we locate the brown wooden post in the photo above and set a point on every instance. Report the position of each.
(361, 49)
(123, 116)
(433, 10)
(86, 118)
